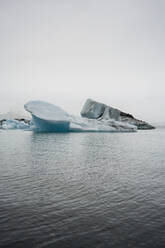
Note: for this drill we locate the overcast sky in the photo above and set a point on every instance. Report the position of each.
(64, 51)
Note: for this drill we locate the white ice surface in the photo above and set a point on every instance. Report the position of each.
(46, 111)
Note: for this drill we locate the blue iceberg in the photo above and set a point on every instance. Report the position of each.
(47, 117)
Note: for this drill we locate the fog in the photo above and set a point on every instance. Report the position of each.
(65, 51)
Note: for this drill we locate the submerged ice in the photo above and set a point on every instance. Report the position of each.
(51, 118)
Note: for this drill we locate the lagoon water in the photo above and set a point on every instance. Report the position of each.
(82, 190)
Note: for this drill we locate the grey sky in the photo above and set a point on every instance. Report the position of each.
(64, 51)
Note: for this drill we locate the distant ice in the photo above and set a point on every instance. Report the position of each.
(14, 124)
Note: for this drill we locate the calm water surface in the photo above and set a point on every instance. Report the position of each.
(82, 190)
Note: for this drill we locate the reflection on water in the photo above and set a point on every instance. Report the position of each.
(82, 189)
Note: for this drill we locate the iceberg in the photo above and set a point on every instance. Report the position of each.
(14, 124)
(95, 117)
(47, 117)
(100, 111)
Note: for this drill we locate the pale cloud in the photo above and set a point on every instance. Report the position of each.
(66, 51)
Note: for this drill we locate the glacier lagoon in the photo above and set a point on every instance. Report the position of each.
(85, 184)
(82, 189)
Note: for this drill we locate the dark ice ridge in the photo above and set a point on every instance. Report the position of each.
(96, 110)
